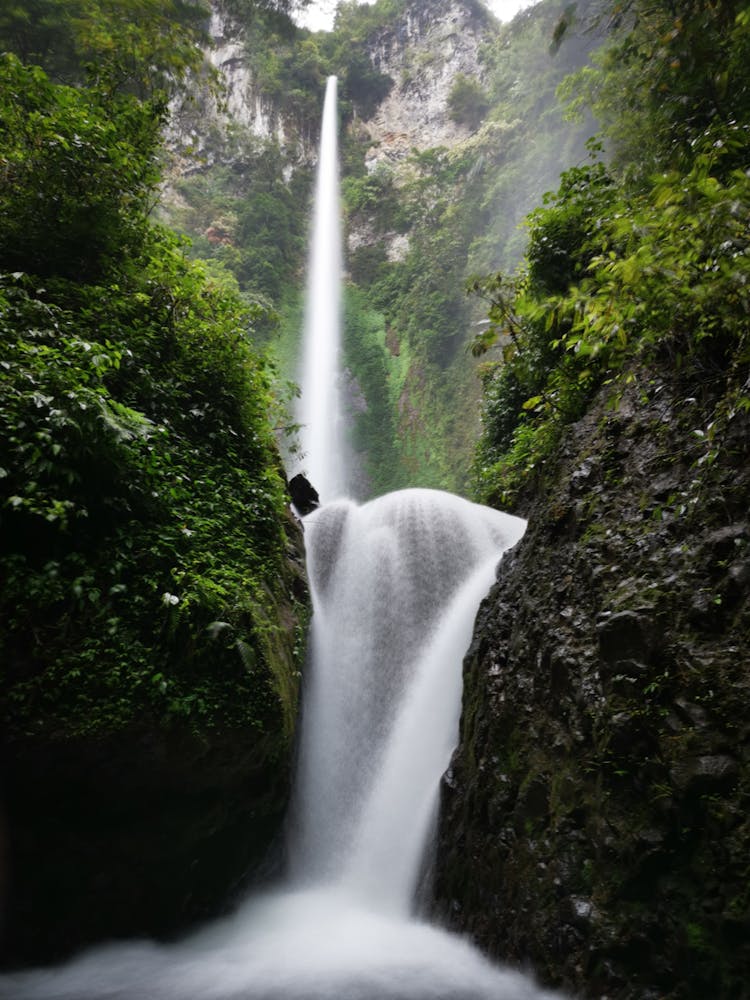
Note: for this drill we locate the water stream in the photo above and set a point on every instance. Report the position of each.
(319, 410)
(395, 584)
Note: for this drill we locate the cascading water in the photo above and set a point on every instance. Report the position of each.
(395, 584)
(319, 410)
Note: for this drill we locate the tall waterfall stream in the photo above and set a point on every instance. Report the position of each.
(319, 409)
(396, 584)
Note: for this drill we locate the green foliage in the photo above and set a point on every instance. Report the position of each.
(368, 264)
(248, 218)
(289, 70)
(357, 22)
(467, 101)
(140, 497)
(77, 170)
(629, 265)
(292, 70)
(670, 75)
(653, 274)
(141, 46)
(135, 467)
(277, 11)
(563, 235)
(374, 195)
(372, 366)
(362, 84)
(418, 294)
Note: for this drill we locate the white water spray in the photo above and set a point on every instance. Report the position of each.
(396, 584)
(394, 597)
(319, 410)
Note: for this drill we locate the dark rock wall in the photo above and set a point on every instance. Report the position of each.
(144, 831)
(595, 819)
(136, 835)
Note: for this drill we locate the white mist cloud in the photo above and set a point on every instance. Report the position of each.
(320, 14)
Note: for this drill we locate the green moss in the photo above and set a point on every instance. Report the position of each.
(142, 504)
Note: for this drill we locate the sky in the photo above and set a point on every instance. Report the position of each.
(319, 15)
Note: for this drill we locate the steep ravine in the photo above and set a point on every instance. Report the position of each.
(434, 188)
(595, 817)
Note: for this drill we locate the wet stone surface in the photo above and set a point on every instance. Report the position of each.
(596, 826)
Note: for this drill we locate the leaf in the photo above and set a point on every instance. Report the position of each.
(247, 655)
(532, 403)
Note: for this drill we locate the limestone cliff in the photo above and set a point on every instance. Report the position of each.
(423, 53)
(204, 119)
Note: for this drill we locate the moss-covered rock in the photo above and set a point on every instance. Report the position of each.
(594, 818)
(147, 820)
(152, 593)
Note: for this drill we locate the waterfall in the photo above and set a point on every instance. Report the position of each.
(396, 584)
(319, 410)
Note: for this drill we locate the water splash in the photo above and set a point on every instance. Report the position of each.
(292, 946)
(319, 410)
(396, 584)
(395, 590)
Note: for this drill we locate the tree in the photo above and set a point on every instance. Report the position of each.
(467, 102)
(671, 79)
(143, 47)
(78, 168)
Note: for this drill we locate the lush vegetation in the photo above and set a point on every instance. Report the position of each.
(455, 211)
(142, 503)
(460, 208)
(142, 46)
(247, 218)
(643, 259)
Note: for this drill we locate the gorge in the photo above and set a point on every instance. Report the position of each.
(395, 585)
(592, 822)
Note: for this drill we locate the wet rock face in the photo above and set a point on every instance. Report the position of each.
(135, 835)
(595, 823)
(143, 831)
(423, 52)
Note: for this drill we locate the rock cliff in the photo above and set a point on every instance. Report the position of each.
(144, 829)
(204, 119)
(423, 53)
(595, 817)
